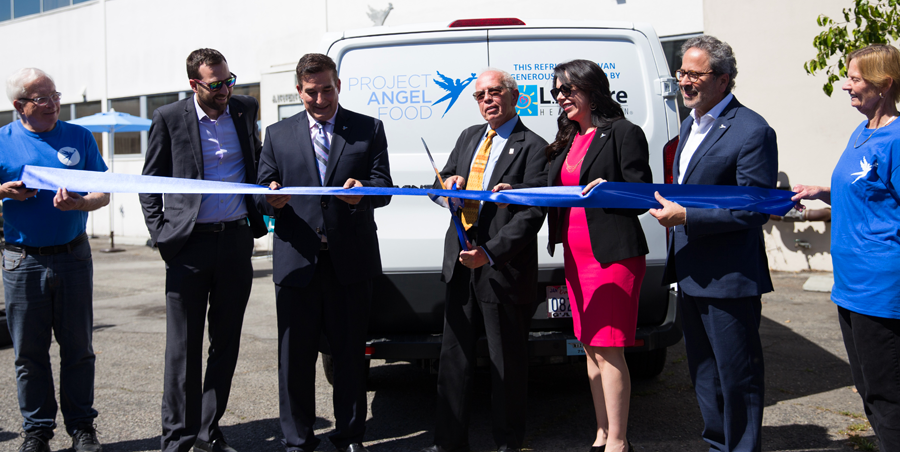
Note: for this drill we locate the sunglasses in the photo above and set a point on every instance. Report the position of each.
(565, 89)
(42, 101)
(480, 96)
(215, 86)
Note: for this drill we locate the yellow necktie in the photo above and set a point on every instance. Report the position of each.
(476, 177)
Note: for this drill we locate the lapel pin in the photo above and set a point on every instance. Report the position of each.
(602, 135)
(511, 150)
(723, 126)
(240, 113)
(345, 128)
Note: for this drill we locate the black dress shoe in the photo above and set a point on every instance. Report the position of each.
(353, 447)
(217, 445)
(598, 448)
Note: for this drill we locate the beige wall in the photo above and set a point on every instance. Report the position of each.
(772, 39)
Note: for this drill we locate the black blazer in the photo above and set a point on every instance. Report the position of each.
(358, 151)
(173, 150)
(618, 153)
(508, 236)
(721, 253)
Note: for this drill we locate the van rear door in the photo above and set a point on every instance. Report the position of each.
(419, 85)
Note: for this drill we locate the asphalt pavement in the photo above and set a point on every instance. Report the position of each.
(810, 401)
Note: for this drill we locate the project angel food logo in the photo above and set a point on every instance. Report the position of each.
(68, 156)
(409, 96)
(866, 168)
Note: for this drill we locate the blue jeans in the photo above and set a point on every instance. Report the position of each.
(47, 296)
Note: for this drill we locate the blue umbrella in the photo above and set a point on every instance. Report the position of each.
(112, 122)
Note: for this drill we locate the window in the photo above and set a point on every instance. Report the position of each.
(53, 4)
(672, 49)
(158, 100)
(127, 143)
(5, 10)
(6, 117)
(22, 8)
(249, 90)
(87, 109)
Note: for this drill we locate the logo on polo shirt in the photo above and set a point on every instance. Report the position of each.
(69, 156)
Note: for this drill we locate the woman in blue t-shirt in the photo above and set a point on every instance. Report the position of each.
(865, 237)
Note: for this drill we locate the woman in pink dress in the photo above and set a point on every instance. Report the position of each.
(604, 248)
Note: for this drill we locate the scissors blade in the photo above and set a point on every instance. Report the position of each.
(433, 165)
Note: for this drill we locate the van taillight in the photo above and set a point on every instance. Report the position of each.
(496, 22)
(669, 159)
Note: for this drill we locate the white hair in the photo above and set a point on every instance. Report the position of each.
(506, 79)
(15, 84)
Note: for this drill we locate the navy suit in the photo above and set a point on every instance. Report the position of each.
(718, 259)
(319, 290)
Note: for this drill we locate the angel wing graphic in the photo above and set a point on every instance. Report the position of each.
(866, 167)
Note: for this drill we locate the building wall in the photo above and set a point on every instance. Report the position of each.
(145, 43)
(772, 39)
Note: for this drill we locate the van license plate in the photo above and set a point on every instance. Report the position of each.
(558, 302)
(574, 348)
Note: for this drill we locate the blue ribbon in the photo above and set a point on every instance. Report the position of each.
(606, 195)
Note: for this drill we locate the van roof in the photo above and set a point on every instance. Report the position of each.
(445, 26)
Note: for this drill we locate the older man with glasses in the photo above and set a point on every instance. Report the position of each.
(47, 267)
(492, 280)
(206, 241)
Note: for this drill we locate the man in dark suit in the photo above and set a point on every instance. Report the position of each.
(491, 287)
(717, 256)
(326, 251)
(206, 241)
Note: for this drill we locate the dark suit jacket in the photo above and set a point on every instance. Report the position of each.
(174, 150)
(720, 253)
(618, 153)
(508, 236)
(358, 151)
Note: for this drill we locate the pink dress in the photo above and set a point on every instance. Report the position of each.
(604, 297)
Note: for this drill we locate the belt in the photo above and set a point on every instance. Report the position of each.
(219, 227)
(47, 250)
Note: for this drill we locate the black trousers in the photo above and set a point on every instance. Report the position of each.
(213, 269)
(506, 327)
(304, 313)
(873, 347)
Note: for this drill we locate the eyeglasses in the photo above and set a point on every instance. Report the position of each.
(694, 77)
(480, 96)
(215, 86)
(42, 101)
(565, 89)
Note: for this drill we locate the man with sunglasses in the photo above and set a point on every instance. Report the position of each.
(491, 285)
(47, 266)
(718, 256)
(206, 242)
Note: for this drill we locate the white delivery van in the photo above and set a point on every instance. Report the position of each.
(419, 81)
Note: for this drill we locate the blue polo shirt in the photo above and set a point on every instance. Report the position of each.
(35, 222)
(865, 223)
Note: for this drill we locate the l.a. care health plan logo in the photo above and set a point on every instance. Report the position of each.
(68, 156)
(526, 105)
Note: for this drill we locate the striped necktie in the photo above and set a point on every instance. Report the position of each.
(322, 148)
(476, 178)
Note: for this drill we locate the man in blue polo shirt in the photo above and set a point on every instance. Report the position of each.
(47, 266)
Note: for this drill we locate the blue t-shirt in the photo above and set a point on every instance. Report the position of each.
(35, 222)
(865, 223)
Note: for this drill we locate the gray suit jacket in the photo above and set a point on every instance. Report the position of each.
(174, 150)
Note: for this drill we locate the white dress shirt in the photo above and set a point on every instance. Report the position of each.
(699, 129)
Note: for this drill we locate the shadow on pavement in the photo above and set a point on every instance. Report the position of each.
(664, 413)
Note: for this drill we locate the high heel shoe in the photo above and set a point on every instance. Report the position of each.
(598, 448)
